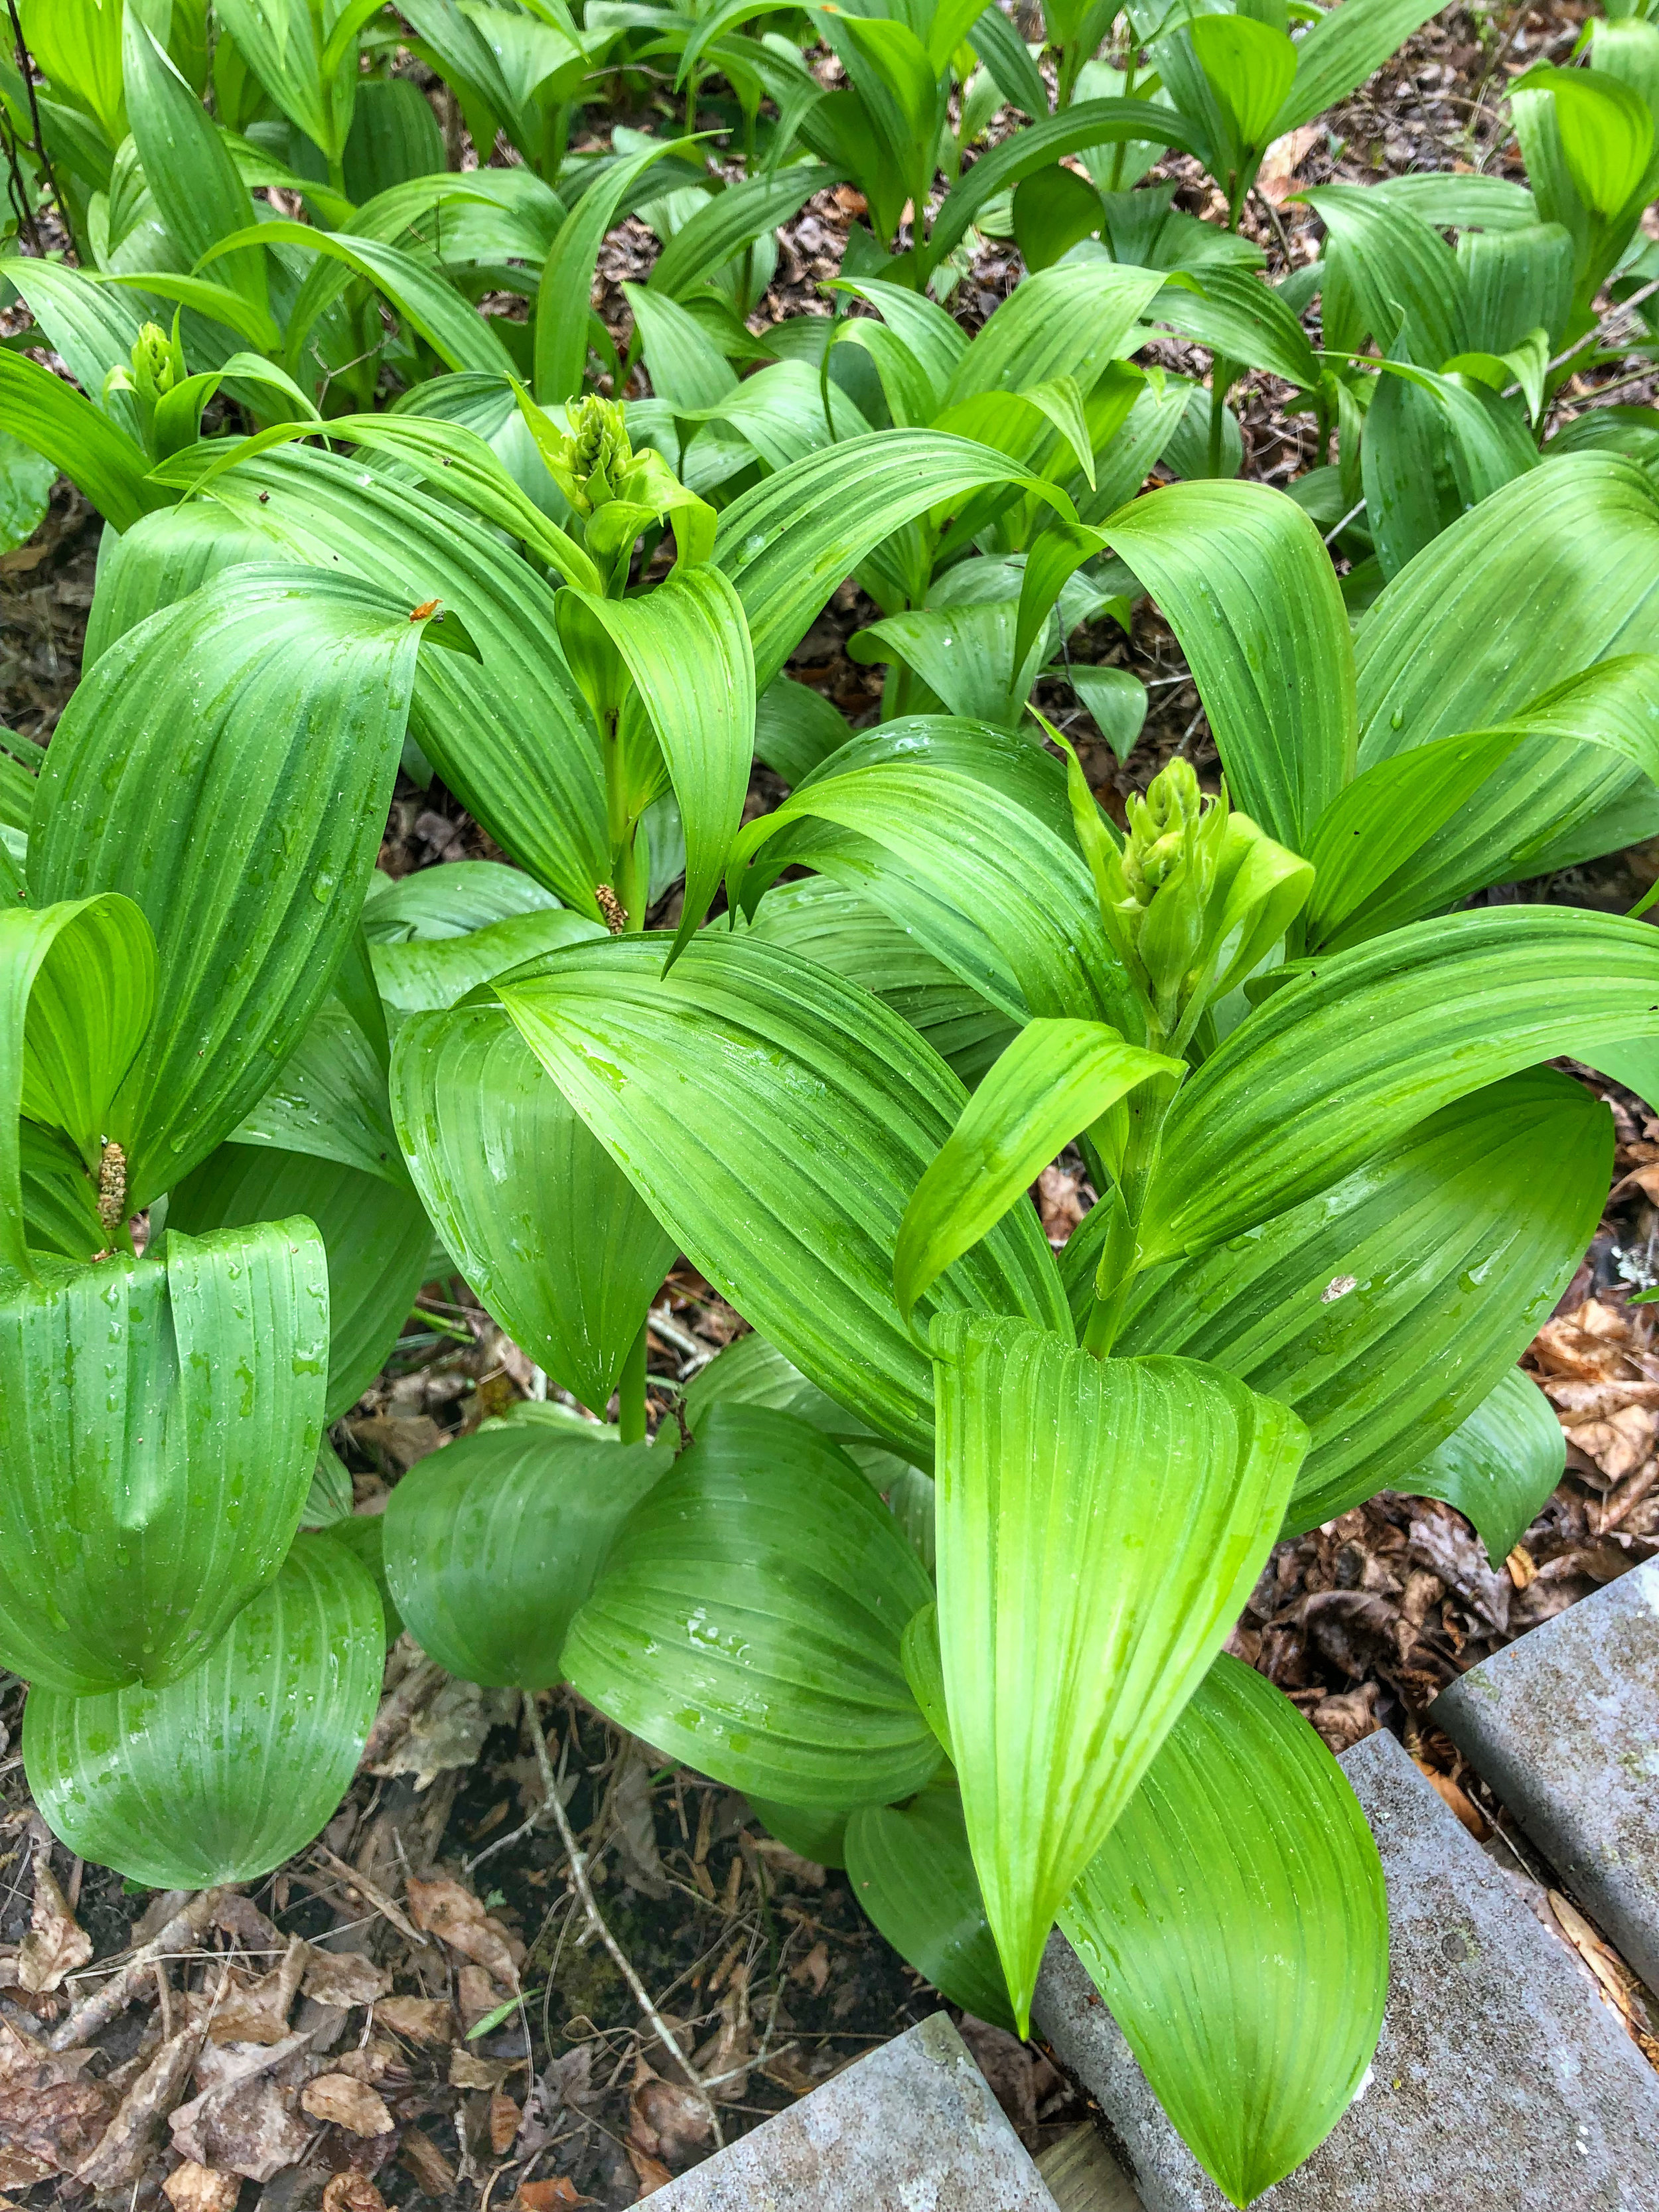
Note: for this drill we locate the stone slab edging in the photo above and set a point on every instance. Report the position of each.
(912, 2128)
(1563, 1725)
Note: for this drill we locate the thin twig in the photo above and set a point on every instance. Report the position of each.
(1345, 520)
(372, 1895)
(619, 1958)
(102, 2006)
(27, 74)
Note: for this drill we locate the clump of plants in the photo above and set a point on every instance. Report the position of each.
(936, 1565)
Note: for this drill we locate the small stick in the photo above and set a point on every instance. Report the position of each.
(370, 1895)
(102, 2006)
(620, 1960)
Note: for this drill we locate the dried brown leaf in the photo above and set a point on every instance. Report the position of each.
(451, 1913)
(814, 1970)
(124, 2148)
(352, 2192)
(48, 2114)
(344, 1979)
(419, 2020)
(56, 1944)
(349, 2103)
(652, 2173)
(422, 2157)
(548, 2196)
(467, 2070)
(192, 2188)
(504, 2118)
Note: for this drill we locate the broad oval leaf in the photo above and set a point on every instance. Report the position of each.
(376, 1235)
(775, 1119)
(491, 1546)
(1236, 1922)
(913, 1873)
(221, 1776)
(1362, 1044)
(1099, 1524)
(159, 1420)
(1386, 1309)
(749, 1621)
(227, 765)
(549, 1232)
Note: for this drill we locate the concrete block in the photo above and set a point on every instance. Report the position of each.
(1564, 1726)
(912, 2128)
(1501, 2082)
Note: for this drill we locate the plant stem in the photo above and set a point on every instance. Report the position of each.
(1220, 382)
(630, 1391)
(1120, 1260)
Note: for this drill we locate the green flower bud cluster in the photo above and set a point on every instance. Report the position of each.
(590, 462)
(1170, 863)
(155, 365)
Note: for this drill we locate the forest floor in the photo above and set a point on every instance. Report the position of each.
(419, 2005)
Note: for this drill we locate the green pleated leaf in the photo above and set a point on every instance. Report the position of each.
(1347, 44)
(726, 223)
(1499, 1465)
(1099, 1524)
(221, 1776)
(158, 1427)
(1243, 318)
(775, 1119)
(282, 42)
(1404, 280)
(686, 647)
(813, 1834)
(91, 326)
(187, 166)
(424, 975)
(77, 988)
(913, 1873)
(1362, 1044)
(512, 736)
(1085, 123)
(1068, 321)
(1250, 66)
(790, 540)
(1241, 575)
(964, 834)
(163, 558)
(1054, 1080)
(330, 1097)
(567, 282)
(1553, 573)
(1418, 830)
(227, 765)
(376, 1236)
(53, 418)
(550, 1233)
(1386, 1309)
(491, 1546)
(842, 929)
(1234, 1920)
(749, 1622)
(460, 336)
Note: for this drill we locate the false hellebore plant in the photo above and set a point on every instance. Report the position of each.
(936, 1565)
